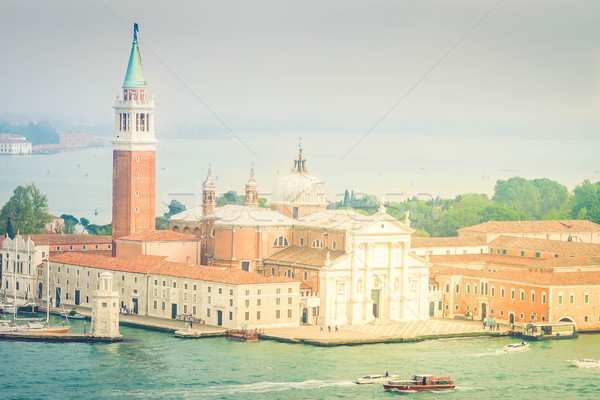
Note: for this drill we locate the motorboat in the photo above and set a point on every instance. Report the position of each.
(550, 331)
(73, 314)
(420, 383)
(375, 379)
(523, 346)
(585, 363)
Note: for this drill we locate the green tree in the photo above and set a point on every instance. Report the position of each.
(553, 195)
(9, 229)
(175, 207)
(262, 202)
(230, 197)
(162, 223)
(70, 223)
(520, 194)
(27, 210)
(586, 202)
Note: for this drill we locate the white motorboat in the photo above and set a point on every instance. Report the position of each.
(523, 346)
(375, 379)
(585, 363)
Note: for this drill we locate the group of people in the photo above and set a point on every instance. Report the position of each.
(329, 328)
(493, 326)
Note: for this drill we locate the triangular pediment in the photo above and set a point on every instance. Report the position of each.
(384, 225)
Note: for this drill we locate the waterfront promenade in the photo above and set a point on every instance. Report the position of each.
(381, 331)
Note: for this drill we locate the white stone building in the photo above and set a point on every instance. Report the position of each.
(12, 144)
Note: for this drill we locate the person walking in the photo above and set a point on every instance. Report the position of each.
(336, 329)
(329, 327)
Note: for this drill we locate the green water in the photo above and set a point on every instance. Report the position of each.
(157, 365)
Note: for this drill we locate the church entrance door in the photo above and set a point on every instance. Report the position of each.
(375, 295)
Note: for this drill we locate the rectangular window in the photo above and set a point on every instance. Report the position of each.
(258, 292)
(208, 312)
(247, 292)
(457, 288)
(497, 251)
(522, 295)
(571, 298)
(209, 288)
(305, 275)
(501, 312)
(522, 253)
(503, 252)
(586, 298)
(258, 302)
(333, 245)
(174, 284)
(231, 315)
(537, 254)
(289, 300)
(231, 292)
(493, 291)
(245, 265)
(247, 316)
(585, 318)
(475, 288)
(491, 250)
(164, 306)
(278, 301)
(247, 303)
(155, 304)
(220, 290)
(230, 302)
(301, 241)
(290, 313)
(277, 314)
(258, 315)
(512, 294)
(543, 298)
(560, 299)
(502, 292)
(533, 297)
(468, 288)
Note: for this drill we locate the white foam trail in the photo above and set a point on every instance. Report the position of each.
(262, 387)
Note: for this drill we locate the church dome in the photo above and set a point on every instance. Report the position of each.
(299, 188)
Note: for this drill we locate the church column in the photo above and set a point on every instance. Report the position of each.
(404, 293)
(368, 308)
(355, 297)
(391, 296)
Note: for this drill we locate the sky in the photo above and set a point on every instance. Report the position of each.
(484, 68)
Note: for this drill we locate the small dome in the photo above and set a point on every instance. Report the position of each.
(299, 188)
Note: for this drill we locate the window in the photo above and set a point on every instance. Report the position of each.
(468, 288)
(491, 250)
(258, 315)
(194, 310)
(277, 314)
(497, 251)
(209, 289)
(290, 313)
(84, 247)
(281, 241)
(560, 298)
(221, 291)
(247, 316)
(245, 265)
(522, 253)
(317, 243)
(155, 304)
(58, 248)
(556, 256)
(247, 303)
(585, 318)
(195, 287)
(447, 288)
(259, 291)
(305, 275)
(522, 294)
(230, 315)
(174, 284)
(137, 194)
(70, 248)
(512, 294)
(156, 282)
(137, 159)
(278, 301)
(230, 302)
(543, 297)
(137, 176)
(164, 305)
(502, 292)
(258, 302)
(501, 312)
(155, 293)
(289, 300)
(456, 307)
(272, 271)
(537, 254)
(475, 289)
(571, 298)
(247, 293)
(122, 278)
(230, 292)
(503, 252)
(521, 315)
(491, 311)
(493, 291)
(208, 299)
(333, 245)
(301, 241)
(289, 290)
(586, 298)
(532, 296)
(208, 312)
(457, 288)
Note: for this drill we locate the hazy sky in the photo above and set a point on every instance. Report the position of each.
(528, 69)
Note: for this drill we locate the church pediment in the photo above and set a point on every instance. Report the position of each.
(386, 225)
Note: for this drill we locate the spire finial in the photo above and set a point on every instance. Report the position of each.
(135, 31)
(300, 145)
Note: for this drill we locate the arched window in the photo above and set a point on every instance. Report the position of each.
(317, 243)
(281, 241)
(212, 233)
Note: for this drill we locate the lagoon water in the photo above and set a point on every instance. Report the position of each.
(399, 166)
(157, 365)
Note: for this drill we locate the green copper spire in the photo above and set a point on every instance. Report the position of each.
(134, 78)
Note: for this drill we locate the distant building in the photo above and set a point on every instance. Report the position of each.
(570, 230)
(77, 139)
(518, 290)
(541, 248)
(439, 246)
(12, 144)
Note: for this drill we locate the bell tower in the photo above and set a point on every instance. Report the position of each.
(208, 194)
(134, 152)
(252, 190)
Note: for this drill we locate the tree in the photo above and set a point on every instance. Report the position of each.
(230, 197)
(9, 229)
(586, 202)
(262, 202)
(175, 207)
(27, 210)
(553, 195)
(70, 223)
(520, 194)
(162, 223)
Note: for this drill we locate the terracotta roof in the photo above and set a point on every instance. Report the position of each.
(216, 274)
(158, 236)
(314, 257)
(142, 264)
(419, 242)
(497, 260)
(524, 276)
(533, 226)
(66, 239)
(106, 253)
(551, 246)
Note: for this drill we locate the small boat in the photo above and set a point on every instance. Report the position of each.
(244, 335)
(420, 383)
(550, 331)
(523, 346)
(585, 363)
(73, 314)
(365, 380)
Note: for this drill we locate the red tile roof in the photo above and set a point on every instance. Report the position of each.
(142, 264)
(299, 255)
(460, 241)
(158, 236)
(216, 274)
(497, 260)
(105, 253)
(67, 239)
(546, 245)
(533, 226)
(581, 278)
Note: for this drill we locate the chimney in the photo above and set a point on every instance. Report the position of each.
(188, 260)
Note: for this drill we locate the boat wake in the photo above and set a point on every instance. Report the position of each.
(490, 353)
(262, 387)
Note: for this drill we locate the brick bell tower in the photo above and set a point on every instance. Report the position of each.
(134, 153)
